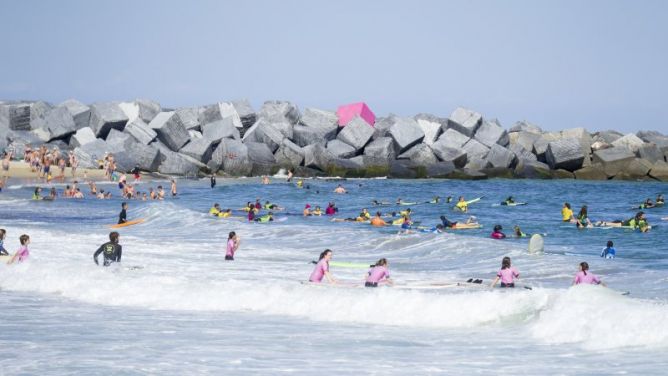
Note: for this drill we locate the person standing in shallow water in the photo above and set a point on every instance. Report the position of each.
(232, 246)
(584, 276)
(213, 181)
(506, 274)
(321, 269)
(111, 250)
(123, 216)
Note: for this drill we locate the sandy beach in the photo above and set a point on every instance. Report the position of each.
(21, 170)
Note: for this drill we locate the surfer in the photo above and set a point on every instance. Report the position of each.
(647, 204)
(447, 223)
(567, 213)
(518, 232)
(508, 201)
(340, 189)
(609, 250)
(3, 251)
(317, 211)
(660, 200)
(506, 274)
(364, 215)
(379, 273)
(583, 218)
(582, 277)
(122, 217)
(22, 253)
(462, 205)
(638, 222)
(269, 217)
(111, 250)
(232, 246)
(497, 233)
(331, 209)
(36, 195)
(322, 268)
(434, 200)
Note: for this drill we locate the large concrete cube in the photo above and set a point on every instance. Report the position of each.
(199, 148)
(277, 111)
(59, 123)
(629, 141)
(420, 154)
(565, 154)
(499, 156)
(356, 134)
(465, 121)
(105, 117)
(140, 131)
(82, 137)
(219, 129)
(613, 160)
(381, 148)
(289, 154)
(190, 118)
(650, 152)
(170, 130)
(340, 149)
(432, 127)
(232, 157)
(452, 138)
(406, 133)
(148, 109)
(316, 156)
(79, 111)
(525, 126)
(491, 133)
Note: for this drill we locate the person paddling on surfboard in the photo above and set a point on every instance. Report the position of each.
(506, 274)
(111, 250)
(585, 277)
(462, 205)
(508, 201)
(321, 269)
(378, 274)
(122, 217)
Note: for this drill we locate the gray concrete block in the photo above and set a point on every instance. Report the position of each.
(82, 137)
(475, 151)
(431, 126)
(421, 155)
(269, 134)
(525, 126)
(289, 154)
(231, 156)
(650, 152)
(105, 117)
(170, 130)
(465, 121)
(382, 148)
(219, 129)
(452, 138)
(148, 109)
(316, 156)
(613, 160)
(59, 123)
(406, 133)
(629, 141)
(446, 153)
(199, 149)
(382, 127)
(190, 118)
(89, 153)
(525, 139)
(491, 133)
(276, 111)
(179, 164)
(356, 133)
(565, 154)
(326, 122)
(522, 153)
(79, 111)
(499, 156)
(340, 149)
(140, 131)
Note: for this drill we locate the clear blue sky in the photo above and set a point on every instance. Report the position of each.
(560, 64)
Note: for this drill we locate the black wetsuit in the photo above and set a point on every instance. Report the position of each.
(213, 181)
(122, 218)
(112, 253)
(448, 224)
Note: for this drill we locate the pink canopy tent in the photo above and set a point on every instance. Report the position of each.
(347, 112)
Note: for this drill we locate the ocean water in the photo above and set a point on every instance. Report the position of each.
(187, 311)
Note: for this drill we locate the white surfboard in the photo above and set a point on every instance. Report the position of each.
(536, 244)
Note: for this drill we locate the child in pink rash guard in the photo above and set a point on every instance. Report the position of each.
(586, 278)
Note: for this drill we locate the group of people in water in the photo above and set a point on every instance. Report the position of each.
(127, 192)
(21, 254)
(379, 273)
(581, 220)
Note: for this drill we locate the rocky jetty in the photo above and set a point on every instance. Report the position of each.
(234, 139)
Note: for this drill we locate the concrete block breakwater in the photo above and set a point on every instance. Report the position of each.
(233, 138)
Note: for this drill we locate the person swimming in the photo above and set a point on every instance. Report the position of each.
(377, 221)
(518, 232)
(317, 211)
(378, 274)
(340, 189)
(269, 217)
(307, 210)
(215, 210)
(331, 209)
(497, 233)
(37, 194)
(659, 199)
(321, 269)
(364, 215)
(609, 251)
(506, 274)
(585, 277)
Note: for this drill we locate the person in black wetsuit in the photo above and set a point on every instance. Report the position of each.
(111, 250)
(122, 217)
(213, 181)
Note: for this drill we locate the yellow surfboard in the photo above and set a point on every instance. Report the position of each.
(128, 223)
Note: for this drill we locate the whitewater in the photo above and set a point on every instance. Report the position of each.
(174, 306)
